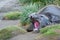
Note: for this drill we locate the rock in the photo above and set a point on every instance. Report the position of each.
(9, 5)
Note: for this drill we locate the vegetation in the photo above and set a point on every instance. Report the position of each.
(26, 10)
(12, 15)
(44, 30)
(10, 31)
(50, 32)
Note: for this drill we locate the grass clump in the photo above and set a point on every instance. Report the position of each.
(50, 28)
(16, 28)
(10, 31)
(26, 10)
(5, 34)
(51, 32)
(12, 15)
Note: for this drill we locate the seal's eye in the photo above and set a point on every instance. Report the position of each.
(41, 16)
(31, 17)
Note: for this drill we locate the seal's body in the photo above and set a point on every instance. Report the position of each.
(47, 16)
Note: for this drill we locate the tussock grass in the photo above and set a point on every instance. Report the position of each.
(10, 31)
(51, 32)
(12, 15)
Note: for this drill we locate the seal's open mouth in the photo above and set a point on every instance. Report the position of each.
(36, 24)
